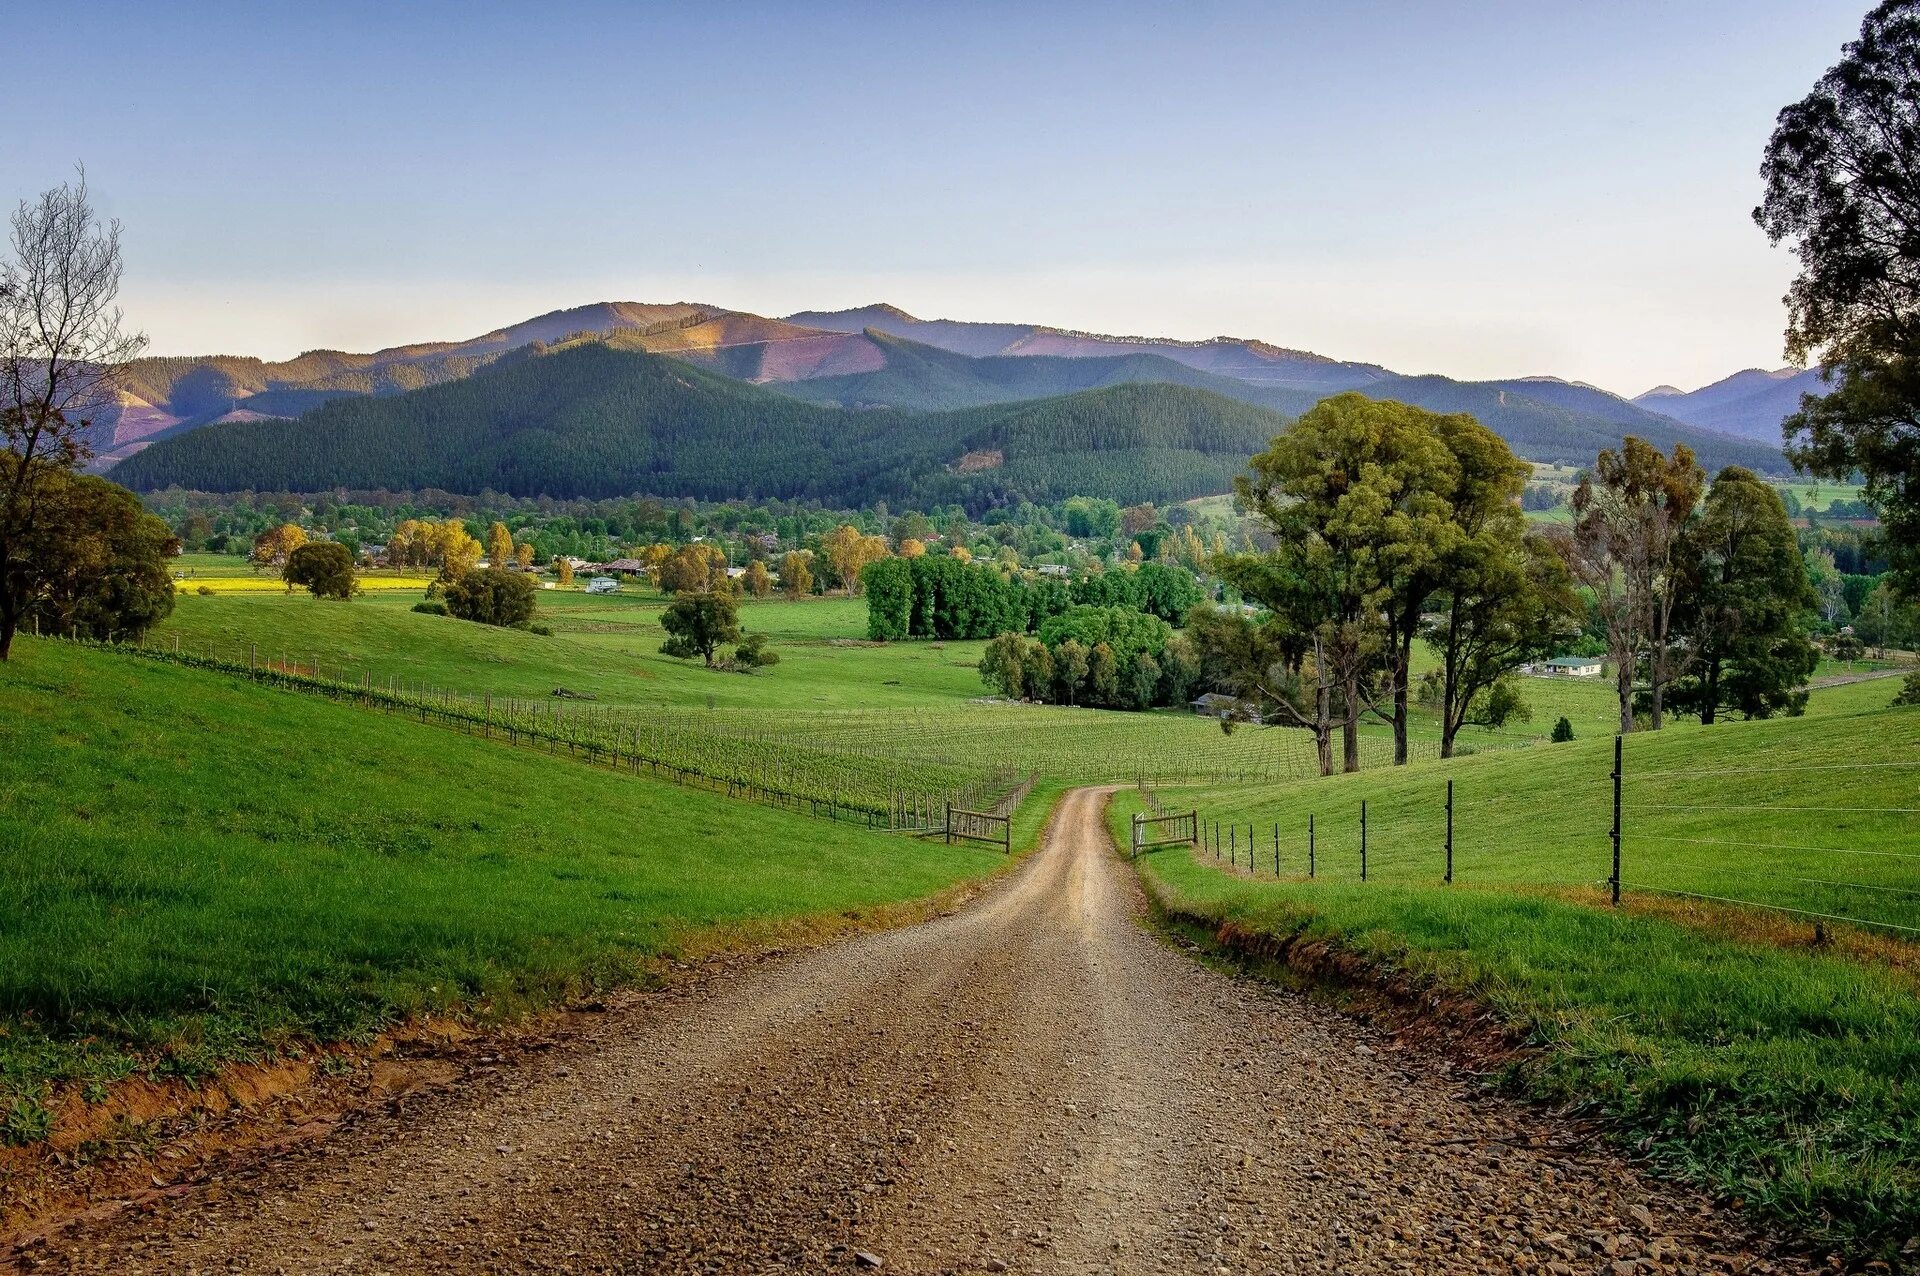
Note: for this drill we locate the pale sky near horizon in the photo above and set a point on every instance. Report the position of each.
(1492, 189)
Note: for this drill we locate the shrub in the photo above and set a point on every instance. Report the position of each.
(431, 609)
(1909, 696)
(545, 631)
(492, 596)
(205, 591)
(752, 653)
(1562, 730)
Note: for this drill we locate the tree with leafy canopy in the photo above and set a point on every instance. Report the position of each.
(1841, 190)
(1631, 514)
(796, 574)
(457, 550)
(96, 561)
(323, 568)
(273, 547)
(699, 625)
(1103, 676)
(1070, 667)
(756, 580)
(563, 571)
(499, 545)
(1004, 665)
(1355, 497)
(1745, 606)
(62, 357)
(848, 551)
(1562, 730)
(491, 596)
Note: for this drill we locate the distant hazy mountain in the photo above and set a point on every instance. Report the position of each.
(1245, 360)
(586, 418)
(169, 394)
(1751, 404)
(1541, 418)
(881, 357)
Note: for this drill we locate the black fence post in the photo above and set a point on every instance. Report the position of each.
(1449, 832)
(1618, 754)
(1310, 861)
(1276, 850)
(1363, 839)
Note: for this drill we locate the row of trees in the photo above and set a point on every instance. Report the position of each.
(1393, 525)
(1100, 657)
(948, 597)
(1704, 604)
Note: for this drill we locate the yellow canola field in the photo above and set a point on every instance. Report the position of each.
(273, 584)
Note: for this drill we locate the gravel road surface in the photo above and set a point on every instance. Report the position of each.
(1035, 1083)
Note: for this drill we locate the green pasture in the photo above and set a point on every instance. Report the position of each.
(1817, 814)
(194, 869)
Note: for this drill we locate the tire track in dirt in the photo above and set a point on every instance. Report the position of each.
(1035, 1083)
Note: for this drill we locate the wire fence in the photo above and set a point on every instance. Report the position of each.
(1825, 842)
(871, 791)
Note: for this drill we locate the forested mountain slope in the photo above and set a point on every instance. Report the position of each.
(1751, 404)
(587, 419)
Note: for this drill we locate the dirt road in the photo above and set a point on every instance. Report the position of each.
(1033, 1084)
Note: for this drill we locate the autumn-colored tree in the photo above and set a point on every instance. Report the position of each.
(499, 545)
(848, 552)
(756, 579)
(796, 574)
(698, 568)
(911, 548)
(523, 556)
(563, 570)
(410, 544)
(271, 548)
(458, 551)
(962, 554)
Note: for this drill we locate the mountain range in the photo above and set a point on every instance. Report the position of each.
(879, 359)
(1750, 404)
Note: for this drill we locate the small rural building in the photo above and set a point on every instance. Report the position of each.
(603, 585)
(1055, 569)
(1574, 666)
(1215, 705)
(628, 566)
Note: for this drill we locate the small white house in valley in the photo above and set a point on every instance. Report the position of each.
(1570, 667)
(603, 585)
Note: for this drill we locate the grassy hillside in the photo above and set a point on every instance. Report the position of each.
(194, 869)
(591, 420)
(1716, 1038)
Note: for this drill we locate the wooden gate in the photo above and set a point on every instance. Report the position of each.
(1150, 831)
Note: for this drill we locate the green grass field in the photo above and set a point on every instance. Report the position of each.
(1817, 813)
(195, 870)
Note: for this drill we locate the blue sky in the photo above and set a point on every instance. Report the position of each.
(1476, 189)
